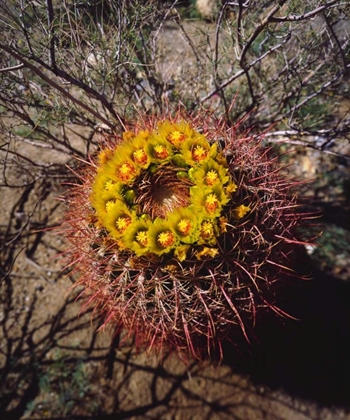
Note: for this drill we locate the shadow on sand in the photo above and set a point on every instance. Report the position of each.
(310, 357)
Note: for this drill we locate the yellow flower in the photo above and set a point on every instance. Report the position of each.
(175, 133)
(159, 149)
(207, 230)
(199, 153)
(197, 150)
(136, 236)
(105, 155)
(207, 252)
(111, 205)
(133, 150)
(118, 218)
(181, 252)
(211, 203)
(223, 224)
(231, 187)
(241, 211)
(170, 268)
(104, 190)
(184, 226)
(141, 237)
(136, 150)
(185, 223)
(126, 172)
(212, 177)
(144, 134)
(162, 237)
(176, 137)
(209, 173)
(208, 201)
(140, 157)
(166, 239)
(208, 233)
(123, 222)
(109, 185)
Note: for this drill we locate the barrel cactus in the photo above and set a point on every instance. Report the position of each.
(183, 232)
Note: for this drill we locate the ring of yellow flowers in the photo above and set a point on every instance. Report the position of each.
(197, 167)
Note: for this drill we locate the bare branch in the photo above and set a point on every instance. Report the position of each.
(13, 68)
(313, 95)
(239, 40)
(341, 50)
(258, 30)
(290, 137)
(240, 73)
(55, 85)
(296, 18)
(50, 21)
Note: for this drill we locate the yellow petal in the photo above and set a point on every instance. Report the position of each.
(207, 252)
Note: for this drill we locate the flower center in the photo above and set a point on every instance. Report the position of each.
(161, 152)
(211, 203)
(126, 172)
(140, 157)
(207, 230)
(199, 153)
(166, 239)
(122, 223)
(141, 237)
(161, 193)
(176, 137)
(184, 226)
(211, 177)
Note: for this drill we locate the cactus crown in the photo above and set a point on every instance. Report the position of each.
(163, 192)
(184, 235)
